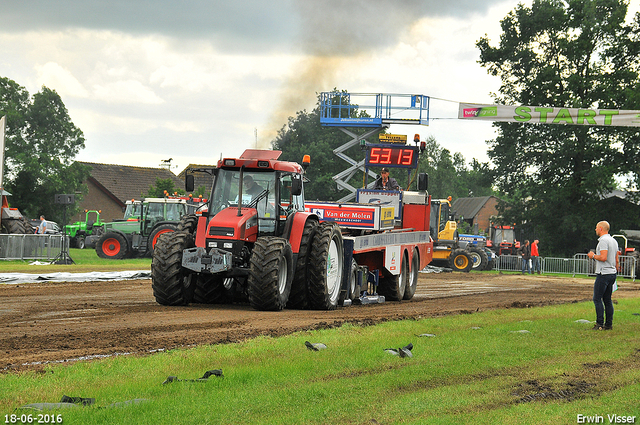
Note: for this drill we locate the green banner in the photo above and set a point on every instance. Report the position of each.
(549, 115)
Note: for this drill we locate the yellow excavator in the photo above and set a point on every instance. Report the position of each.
(444, 232)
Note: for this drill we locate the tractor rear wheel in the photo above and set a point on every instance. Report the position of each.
(188, 223)
(478, 258)
(326, 267)
(112, 245)
(155, 234)
(171, 283)
(270, 273)
(392, 286)
(412, 279)
(16, 227)
(460, 261)
(209, 289)
(299, 296)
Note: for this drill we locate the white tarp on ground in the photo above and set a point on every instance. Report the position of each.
(16, 278)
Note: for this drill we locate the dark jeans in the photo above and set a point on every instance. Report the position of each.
(525, 265)
(602, 298)
(535, 264)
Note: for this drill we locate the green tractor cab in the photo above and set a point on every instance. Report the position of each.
(80, 230)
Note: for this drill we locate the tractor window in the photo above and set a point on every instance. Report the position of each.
(174, 212)
(444, 216)
(289, 202)
(132, 211)
(258, 191)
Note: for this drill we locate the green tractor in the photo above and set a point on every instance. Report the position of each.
(80, 230)
(144, 221)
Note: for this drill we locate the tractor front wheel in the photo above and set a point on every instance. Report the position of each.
(270, 273)
(113, 246)
(171, 283)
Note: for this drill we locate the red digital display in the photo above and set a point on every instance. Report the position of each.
(400, 156)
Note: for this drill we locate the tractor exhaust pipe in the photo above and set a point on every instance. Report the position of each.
(240, 191)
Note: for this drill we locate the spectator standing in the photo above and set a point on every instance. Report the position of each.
(607, 263)
(42, 227)
(525, 253)
(535, 257)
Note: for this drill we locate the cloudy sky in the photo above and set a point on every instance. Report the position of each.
(150, 80)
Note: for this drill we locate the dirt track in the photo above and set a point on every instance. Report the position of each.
(57, 322)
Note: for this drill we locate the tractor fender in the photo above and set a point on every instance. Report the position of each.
(160, 223)
(127, 236)
(294, 227)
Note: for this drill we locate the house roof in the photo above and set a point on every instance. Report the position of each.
(124, 182)
(200, 178)
(469, 207)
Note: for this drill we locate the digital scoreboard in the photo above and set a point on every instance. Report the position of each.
(392, 156)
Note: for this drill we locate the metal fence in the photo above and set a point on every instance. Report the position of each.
(31, 247)
(579, 264)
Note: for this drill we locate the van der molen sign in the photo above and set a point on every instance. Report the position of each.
(549, 115)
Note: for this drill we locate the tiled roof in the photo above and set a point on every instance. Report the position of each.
(469, 207)
(200, 179)
(124, 182)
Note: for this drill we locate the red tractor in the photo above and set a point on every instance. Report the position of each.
(259, 241)
(255, 241)
(502, 240)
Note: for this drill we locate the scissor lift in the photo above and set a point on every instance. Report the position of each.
(375, 111)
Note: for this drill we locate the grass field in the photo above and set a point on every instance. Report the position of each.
(86, 260)
(479, 368)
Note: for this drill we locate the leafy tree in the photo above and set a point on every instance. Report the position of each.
(574, 53)
(449, 174)
(163, 186)
(41, 144)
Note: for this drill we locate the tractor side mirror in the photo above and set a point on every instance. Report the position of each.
(423, 181)
(296, 186)
(189, 182)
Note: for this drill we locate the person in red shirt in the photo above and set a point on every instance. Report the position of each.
(535, 257)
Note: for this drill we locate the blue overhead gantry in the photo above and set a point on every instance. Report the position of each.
(375, 111)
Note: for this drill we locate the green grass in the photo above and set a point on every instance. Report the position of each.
(489, 375)
(86, 260)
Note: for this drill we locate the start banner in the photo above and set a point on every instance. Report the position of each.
(549, 115)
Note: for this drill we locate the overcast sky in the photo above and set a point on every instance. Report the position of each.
(150, 80)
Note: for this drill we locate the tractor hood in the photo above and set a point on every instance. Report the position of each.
(228, 225)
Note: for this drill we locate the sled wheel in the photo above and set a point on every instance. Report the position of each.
(326, 267)
(270, 273)
(393, 287)
(412, 280)
(171, 283)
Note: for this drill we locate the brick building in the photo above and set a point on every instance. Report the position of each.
(110, 186)
(476, 211)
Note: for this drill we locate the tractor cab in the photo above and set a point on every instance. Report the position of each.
(252, 196)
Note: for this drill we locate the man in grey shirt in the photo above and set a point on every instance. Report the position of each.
(607, 262)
